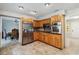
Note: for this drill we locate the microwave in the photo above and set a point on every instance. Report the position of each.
(47, 27)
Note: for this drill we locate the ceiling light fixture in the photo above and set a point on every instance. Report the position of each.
(33, 12)
(21, 7)
(47, 4)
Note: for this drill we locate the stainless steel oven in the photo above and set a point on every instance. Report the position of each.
(56, 27)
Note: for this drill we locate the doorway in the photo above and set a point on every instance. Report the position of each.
(10, 31)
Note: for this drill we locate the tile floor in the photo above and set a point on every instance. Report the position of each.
(7, 42)
(39, 48)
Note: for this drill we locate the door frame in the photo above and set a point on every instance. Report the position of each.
(20, 35)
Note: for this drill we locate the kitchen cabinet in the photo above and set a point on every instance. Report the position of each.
(40, 23)
(56, 18)
(56, 40)
(41, 36)
(51, 39)
(45, 21)
(47, 38)
(36, 24)
(36, 35)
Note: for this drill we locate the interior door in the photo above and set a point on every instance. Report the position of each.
(75, 29)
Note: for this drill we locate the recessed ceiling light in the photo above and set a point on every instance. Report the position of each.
(47, 4)
(21, 7)
(33, 12)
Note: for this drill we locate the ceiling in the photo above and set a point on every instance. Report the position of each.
(41, 9)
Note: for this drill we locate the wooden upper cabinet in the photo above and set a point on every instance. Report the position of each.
(45, 21)
(55, 18)
(51, 20)
(40, 23)
(35, 24)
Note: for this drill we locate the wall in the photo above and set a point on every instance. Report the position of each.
(0, 31)
(70, 16)
(74, 28)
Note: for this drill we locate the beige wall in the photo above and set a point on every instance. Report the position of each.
(0, 31)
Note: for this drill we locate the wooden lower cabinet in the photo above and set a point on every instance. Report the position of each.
(47, 38)
(56, 40)
(51, 39)
(40, 36)
(36, 35)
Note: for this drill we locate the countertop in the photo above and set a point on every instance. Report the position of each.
(47, 32)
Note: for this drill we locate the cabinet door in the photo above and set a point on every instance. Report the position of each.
(56, 18)
(40, 24)
(47, 38)
(36, 35)
(53, 19)
(58, 41)
(51, 40)
(35, 24)
(42, 37)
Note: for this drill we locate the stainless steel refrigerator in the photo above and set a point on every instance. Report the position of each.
(27, 33)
